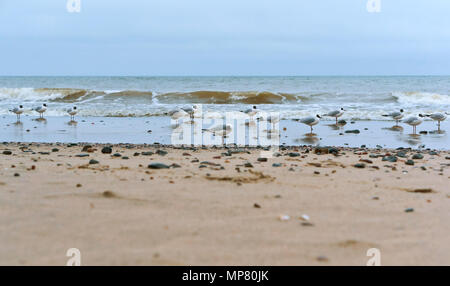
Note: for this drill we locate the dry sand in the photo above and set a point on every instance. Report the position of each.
(120, 212)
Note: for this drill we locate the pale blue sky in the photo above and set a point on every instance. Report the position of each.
(224, 37)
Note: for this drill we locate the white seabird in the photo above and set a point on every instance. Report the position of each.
(414, 121)
(220, 130)
(41, 109)
(72, 112)
(396, 115)
(18, 111)
(336, 114)
(438, 117)
(311, 121)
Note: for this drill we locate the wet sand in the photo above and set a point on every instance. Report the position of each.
(141, 130)
(220, 206)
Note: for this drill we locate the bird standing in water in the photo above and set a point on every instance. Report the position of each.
(18, 111)
(311, 121)
(336, 114)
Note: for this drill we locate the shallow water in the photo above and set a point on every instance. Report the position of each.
(135, 130)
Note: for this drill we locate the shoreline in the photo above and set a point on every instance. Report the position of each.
(222, 206)
(140, 130)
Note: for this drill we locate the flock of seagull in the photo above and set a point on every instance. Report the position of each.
(41, 110)
(311, 121)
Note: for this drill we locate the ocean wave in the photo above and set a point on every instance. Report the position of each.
(418, 98)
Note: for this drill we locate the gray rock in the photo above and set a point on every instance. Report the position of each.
(356, 131)
(276, 165)
(92, 162)
(7, 152)
(360, 165)
(158, 166)
(391, 159)
(417, 156)
(106, 150)
(410, 162)
(294, 154)
(262, 159)
(82, 155)
(161, 152)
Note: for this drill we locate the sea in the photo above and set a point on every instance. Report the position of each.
(362, 97)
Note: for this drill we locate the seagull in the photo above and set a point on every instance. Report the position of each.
(220, 130)
(190, 110)
(397, 116)
(335, 113)
(72, 112)
(18, 111)
(177, 114)
(438, 117)
(311, 121)
(41, 110)
(414, 121)
(251, 111)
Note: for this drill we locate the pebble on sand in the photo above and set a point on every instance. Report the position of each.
(158, 166)
(106, 150)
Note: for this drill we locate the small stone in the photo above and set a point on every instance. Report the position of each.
(108, 194)
(78, 185)
(294, 154)
(7, 152)
(409, 210)
(125, 158)
(117, 155)
(401, 154)
(82, 155)
(360, 165)
(161, 152)
(256, 206)
(92, 162)
(262, 159)
(276, 165)
(317, 172)
(356, 131)
(307, 223)
(322, 258)
(106, 150)
(409, 162)
(86, 148)
(174, 165)
(433, 153)
(248, 165)
(417, 156)
(147, 153)
(423, 168)
(391, 159)
(284, 217)
(158, 166)
(16, 175)
(55, 150)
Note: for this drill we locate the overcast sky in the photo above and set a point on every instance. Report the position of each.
(224, 37)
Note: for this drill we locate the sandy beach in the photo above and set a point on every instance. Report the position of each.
(222, 206)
